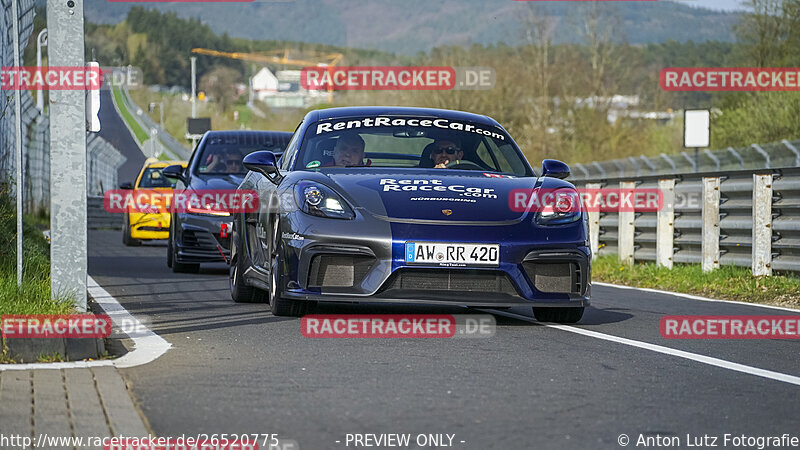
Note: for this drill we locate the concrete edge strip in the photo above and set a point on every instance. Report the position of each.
(703, 359)
(148, 345)
(696, 297)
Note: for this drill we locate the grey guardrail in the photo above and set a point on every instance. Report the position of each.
(752, 219)
(98, 218)
(166, 139)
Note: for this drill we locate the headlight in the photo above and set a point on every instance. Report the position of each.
(558, 207)
(319, 200)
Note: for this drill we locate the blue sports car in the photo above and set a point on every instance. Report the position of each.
(408, 205)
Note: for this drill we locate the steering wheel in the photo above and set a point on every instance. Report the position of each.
(463, 164)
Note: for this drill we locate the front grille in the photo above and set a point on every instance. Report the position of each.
(152, 229)
(200, 240)
(561, 278)
(328, 271)
(190, 239)
(467, 281)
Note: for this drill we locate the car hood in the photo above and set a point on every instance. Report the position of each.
(216, 182)
(433, 194)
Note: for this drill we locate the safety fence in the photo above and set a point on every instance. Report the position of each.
(765, 156)
(103, 159)
(741, 217)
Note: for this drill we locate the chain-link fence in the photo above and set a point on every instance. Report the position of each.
(103, 159)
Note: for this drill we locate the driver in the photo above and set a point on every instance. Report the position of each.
(349, 151)
(447, 150)
(226, 161)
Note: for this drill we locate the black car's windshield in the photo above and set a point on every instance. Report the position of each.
(423, 142)
(224, 155)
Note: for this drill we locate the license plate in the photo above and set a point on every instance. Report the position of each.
(453, 254)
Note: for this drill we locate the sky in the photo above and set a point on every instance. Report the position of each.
(725, 5)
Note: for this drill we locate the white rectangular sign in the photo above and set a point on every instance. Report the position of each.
(696, 128)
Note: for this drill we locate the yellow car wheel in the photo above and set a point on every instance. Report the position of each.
(126, 234)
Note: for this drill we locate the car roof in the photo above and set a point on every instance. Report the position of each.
(158, 164)
(360, 111)
(244, 134)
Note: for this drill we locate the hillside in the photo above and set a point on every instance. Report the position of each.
(410, 26)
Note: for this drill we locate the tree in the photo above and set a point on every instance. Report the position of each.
(220, 83)
(770, 32)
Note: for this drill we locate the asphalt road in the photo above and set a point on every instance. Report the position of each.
(113, 130)
(234, 368)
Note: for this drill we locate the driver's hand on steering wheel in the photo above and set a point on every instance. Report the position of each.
(442, 165)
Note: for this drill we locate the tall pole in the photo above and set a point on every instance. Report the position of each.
(194, 93)
(18, 135)
(67, 156)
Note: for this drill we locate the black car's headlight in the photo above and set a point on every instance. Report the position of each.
(558, 207)
(320, 200)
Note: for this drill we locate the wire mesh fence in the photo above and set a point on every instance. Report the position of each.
(103, 159)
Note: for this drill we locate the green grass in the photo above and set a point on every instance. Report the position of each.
(141, 134)
(727, 283)
(33, 297)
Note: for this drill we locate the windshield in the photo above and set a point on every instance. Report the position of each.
(153, 178)
(422, 142)
(224, 155)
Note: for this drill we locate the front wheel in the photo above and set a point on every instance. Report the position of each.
(179, 267)
(558, 315)
(126, 234)
(241, 292)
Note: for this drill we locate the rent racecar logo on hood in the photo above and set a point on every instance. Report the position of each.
(418, 185)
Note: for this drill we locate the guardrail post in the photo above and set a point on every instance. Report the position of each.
(594, 220)
(626, 229)
(665, 227)
(762, 224)
(710, 231)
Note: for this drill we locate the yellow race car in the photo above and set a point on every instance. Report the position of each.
(141, 225)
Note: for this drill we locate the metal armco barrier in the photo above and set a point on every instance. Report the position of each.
(746, 218)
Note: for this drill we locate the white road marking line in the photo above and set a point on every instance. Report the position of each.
(695, 297)
(716, 362)
(148, 345)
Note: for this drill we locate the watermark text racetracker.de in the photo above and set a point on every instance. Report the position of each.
(706, 440)
(398, 326)
(730, 327)
(200, 201)
(387, 78)
(730, 79)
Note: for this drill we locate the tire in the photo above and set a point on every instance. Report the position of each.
(126, 234)
(241, 292)
(169, 252)
(281, 306)
(178, 267)
(558, 315)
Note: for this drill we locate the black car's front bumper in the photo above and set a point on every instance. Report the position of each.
(202, 239)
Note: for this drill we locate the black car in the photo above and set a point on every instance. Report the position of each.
(200, 235)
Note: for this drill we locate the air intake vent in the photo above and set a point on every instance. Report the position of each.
(467, 281)
(338, 270)
(560, 278)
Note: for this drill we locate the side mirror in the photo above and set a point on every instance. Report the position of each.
(174, 172)
(264, 163)
(126, 185)
(554, 169)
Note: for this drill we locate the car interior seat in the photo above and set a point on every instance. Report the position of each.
(425, 160)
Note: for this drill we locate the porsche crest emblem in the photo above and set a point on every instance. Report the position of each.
(447, 212)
